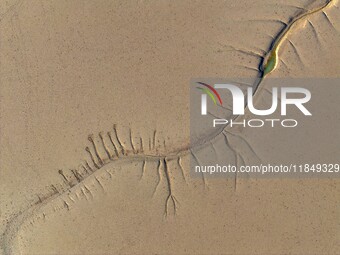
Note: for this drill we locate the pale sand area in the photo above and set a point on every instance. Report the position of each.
(70, 69)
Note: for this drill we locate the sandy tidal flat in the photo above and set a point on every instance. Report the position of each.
(95, 145)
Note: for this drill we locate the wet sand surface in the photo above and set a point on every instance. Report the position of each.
(94, 108)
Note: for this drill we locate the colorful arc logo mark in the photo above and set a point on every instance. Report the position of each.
(209, 90)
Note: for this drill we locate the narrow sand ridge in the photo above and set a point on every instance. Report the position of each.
(115, 150)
